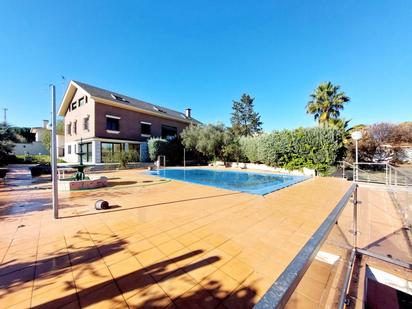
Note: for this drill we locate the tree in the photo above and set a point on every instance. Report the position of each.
(245, 121)
(232, 150)
(47, 135)
(47, 140)
(209, 140)
(23, 135)
(7, 137)
(326, 103)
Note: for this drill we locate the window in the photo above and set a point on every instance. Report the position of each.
(145, 128)
(158, 109)
(75, 127)
(86, 123)
(112, 124)
(169, 132)
(69, 149)
(86, 149)
(119, 98)
(134, 147)
(81, 101)
(69, 128)
(74, 105)
(109, 151)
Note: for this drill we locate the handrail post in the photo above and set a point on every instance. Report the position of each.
(355, 217)
(386, 174)
(396, 178)
(343, 169)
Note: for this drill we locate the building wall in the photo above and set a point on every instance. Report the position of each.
(130, 128)
(34, 148)
(86, 110)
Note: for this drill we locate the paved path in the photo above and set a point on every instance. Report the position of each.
(18, 175)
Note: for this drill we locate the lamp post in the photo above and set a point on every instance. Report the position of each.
(356, 136)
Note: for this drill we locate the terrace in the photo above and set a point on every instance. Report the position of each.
(180, 245)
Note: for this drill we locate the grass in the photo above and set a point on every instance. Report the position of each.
(37, 159)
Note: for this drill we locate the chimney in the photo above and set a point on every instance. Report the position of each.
(188, 113)
(45, 123)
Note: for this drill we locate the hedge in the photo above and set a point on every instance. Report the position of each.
(294, 149)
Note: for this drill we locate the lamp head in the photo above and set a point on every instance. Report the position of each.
(356, 135)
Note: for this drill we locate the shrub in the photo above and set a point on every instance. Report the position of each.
(157, 147)
(294, 149)
(172, 149)
(122, 158)
(249, 148)
(40, 169)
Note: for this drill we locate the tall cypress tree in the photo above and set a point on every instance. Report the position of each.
(245, 121)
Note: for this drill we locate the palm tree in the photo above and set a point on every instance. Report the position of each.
(326, 103)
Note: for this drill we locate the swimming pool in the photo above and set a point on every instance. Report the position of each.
(254, 183)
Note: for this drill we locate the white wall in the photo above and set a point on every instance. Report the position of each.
(34, 148)
(71, 157)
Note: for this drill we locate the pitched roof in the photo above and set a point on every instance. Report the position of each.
(127, 101)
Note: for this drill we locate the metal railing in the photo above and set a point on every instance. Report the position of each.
(398, 182)
(279, 293)
(351, 171)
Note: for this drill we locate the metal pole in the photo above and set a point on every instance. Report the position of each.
(5, 115)
(355, 218)
(396, 177)
(54, 155)
(356, 158)
(386, 174)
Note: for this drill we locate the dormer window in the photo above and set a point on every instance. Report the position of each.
(119, 98)
(158, 109)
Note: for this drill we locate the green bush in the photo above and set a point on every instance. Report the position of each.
(250, 148)
(172, 149)
(316, 148)
(122, 158)
(35, 159)
(157, 147)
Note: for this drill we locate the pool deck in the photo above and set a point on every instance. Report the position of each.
(163, 244)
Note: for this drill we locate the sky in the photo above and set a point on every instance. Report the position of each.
(204, 54)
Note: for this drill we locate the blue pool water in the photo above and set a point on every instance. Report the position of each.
(254, 183)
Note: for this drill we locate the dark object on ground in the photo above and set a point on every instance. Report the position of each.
(3, 172)
(101, 204)
(40, 169)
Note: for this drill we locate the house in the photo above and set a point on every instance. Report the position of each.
(37, 146)
(108, 123)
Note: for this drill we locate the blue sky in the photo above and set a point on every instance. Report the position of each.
(204, 54)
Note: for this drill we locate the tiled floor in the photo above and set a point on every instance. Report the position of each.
(163, 244)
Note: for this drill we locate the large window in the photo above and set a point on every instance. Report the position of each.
(69, 129)
(86, 149)
(145, 128)
(112, 124)
(110, 151)
(169, 132)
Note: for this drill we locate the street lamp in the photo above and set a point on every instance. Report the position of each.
(356, 136)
